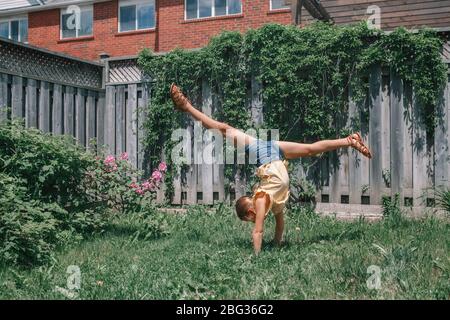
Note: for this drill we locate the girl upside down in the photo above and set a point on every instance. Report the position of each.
(273, 189)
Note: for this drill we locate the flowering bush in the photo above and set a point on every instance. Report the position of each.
(114, 182)
(52, 192)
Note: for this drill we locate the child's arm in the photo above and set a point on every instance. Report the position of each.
(260, 208)
(279, 228)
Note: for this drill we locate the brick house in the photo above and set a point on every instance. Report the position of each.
(121, 28)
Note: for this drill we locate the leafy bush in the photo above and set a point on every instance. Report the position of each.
(27, 228)
(52, 167)
(443, 199)
(391, 210)
(304, 191)
(53, 192)
(115, 183)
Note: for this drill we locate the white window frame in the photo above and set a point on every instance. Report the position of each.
(272, 9)
(12, 19)
(137, 3)
(64, 11)
(213, 11)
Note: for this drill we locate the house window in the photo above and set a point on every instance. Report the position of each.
(278, 4)
(77, 22)
(195, 9)
(136, 15)
(14, 29)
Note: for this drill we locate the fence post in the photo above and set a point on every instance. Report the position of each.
(110, 121)
(69, 111)
(207, 169)
(218, 169)
(31, 104)
(375, 137)
(90, 118)
(80, 117)
(3, 97)
(131, 124)
(420, 176)
(57, 120)
(191, 175)
(17, 97)
(44, 107)
(143, 106)
(397, 137)
(354, 181)
(441, 142)
(101, 114)
(120, 119)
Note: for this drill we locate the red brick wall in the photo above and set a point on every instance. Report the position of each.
(171, 29)
(174, 31)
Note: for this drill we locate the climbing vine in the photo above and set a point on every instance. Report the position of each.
(306, 75)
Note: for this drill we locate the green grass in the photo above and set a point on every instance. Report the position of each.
(209, 256)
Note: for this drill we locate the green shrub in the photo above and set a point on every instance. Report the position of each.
(114, 182)
(52, 167)
(27, 227)
(53, 192)
(443, 199)
(392, 212)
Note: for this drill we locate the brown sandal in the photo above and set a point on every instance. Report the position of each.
(178, 98)
(357, 143)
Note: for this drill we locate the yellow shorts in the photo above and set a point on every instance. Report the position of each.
(274, 182)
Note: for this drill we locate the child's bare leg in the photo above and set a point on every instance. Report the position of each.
(293, 150)
(228, 131)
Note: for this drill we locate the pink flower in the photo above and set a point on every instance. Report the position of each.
(110, 164)
(162, 167)
(124, 156)
(139, 191)
(148, 186)
(157, 176)
(134, 185)
(109, 161)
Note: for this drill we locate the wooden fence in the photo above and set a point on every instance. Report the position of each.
(52, 107)
(406, 160)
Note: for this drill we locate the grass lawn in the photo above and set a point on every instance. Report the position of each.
(209, 256)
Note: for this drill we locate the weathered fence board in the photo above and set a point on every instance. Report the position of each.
(3, 97)
(190, 187)
(207, 154)
(31, 104)
(408, 191)
(110, 120)
(44, 107)
(91, 116)
(120, 119)
(419, 156)
(355, 182)
(143, 103)
(80, 116)
(131, 124)
(441, 142)
(219, 194)
(101, 116)
(57, 110)
(69, 112)
(375, 137)
(397, 136)
(17, 103)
